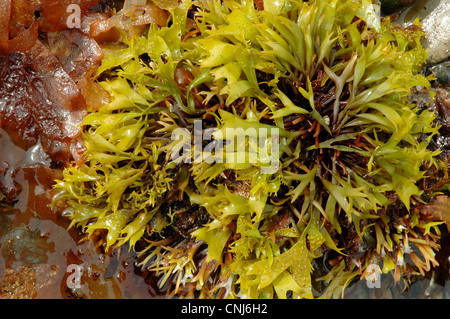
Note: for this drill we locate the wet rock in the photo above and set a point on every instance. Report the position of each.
(18, 284)
(434, 16)
(391, 6)
(435, 287)
(28, 282)
(437, 26)
(441, 72)
(442, 106)
(25, 246)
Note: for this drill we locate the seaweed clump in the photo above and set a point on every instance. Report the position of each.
(347, 182)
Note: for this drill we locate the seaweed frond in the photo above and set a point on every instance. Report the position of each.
(328, 159)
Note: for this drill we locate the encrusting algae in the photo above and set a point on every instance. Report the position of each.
(352, 179)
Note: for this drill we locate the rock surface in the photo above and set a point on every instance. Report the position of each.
(434, 16)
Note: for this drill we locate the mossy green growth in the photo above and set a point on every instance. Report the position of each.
(331, 79)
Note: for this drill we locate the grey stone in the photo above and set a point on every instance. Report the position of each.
(434, 16)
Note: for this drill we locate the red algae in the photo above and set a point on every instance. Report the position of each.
(45, 91)
(38, 100)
